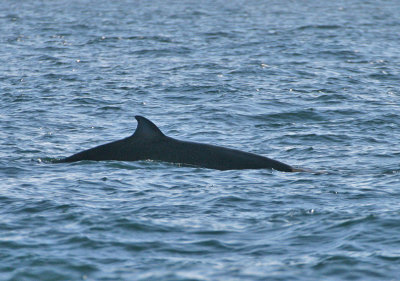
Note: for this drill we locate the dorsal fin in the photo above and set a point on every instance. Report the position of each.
(147, 129)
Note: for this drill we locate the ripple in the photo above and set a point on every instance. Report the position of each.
(314, 84)
(319, 26)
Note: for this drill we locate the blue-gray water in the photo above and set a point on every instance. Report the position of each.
(314, 84)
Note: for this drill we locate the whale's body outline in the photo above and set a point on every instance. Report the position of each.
(149, 143)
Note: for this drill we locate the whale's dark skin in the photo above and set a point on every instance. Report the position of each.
(149, 143)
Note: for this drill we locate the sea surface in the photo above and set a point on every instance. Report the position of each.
(314, 84)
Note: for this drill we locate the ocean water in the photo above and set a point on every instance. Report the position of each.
(315, 84)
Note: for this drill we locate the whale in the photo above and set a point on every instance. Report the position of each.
(149, 143)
